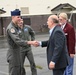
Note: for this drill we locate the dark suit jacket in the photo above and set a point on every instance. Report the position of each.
(70, 35)
(56, 48)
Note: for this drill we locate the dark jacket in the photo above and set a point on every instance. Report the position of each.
(70, 36)
(56, 48)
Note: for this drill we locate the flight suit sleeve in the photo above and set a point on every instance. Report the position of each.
(14, 36)
(32, 33)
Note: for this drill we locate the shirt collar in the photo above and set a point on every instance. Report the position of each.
(50, 31)
(62, 26)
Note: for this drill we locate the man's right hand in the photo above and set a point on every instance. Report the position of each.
(34, 43)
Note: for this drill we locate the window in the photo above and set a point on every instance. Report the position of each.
(25, 10)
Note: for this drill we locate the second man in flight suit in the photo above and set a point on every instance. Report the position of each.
(26, 33)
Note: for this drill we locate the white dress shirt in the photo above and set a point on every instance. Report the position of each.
(62, 26)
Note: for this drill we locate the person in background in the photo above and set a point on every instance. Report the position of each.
(27, 33)
(70, 36)
(14, 42)
(57, 54)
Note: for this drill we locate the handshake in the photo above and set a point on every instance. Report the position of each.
(34, 43)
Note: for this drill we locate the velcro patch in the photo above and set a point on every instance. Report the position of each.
(12, 30)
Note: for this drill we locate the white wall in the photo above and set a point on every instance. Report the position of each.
(36, 7)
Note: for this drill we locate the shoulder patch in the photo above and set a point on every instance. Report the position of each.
(12, 30)
(26, 29)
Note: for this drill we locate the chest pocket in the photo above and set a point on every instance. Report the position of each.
(25, 34)
(20, 33)
(26, 30)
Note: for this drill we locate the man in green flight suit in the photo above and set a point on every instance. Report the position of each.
(14, 42)
(27, 33)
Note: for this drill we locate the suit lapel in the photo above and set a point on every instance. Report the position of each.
(65, 28)
(50, 38)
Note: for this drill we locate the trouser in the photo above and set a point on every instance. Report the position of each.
(69, 68)
(14, 70)
(29, 56)
(58, 71)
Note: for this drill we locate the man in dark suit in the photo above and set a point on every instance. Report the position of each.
(57, 54)
(70, 35)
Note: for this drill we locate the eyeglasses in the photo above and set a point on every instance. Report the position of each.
(60, 19)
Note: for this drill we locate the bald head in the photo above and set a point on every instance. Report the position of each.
(52, 21)
(54, 18)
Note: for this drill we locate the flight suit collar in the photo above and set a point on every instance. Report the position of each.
(14, 25)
